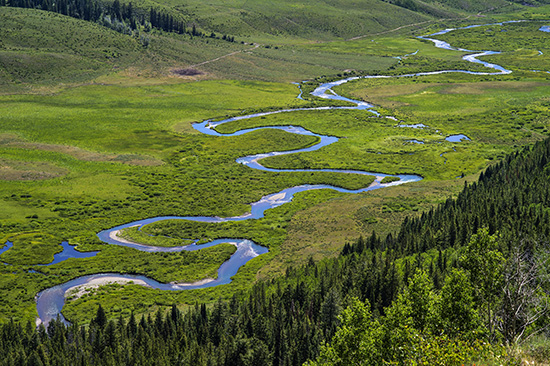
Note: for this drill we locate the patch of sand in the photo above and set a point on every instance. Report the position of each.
(76, 292)
(277, 197)
(114, 235)
(196, 283)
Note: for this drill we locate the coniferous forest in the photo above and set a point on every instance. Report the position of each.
(457, 283)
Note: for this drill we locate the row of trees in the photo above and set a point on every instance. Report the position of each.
(450, 287)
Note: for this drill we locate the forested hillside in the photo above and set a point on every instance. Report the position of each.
(450, 288)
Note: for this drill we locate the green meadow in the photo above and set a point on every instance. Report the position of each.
(93, 137)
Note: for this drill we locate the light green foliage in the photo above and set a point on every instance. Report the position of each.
(137, 236)
(418, 300)
(398, 333)
(361, 340)
(412, 313)
(32, 248)
(456, 308)
(445, 351)
(419, 328)
(355, 342)
(485, 264)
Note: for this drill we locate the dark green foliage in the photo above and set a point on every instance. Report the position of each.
(511, 197)
(101, 319)
(120, 17)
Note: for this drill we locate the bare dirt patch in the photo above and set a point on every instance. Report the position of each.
(187, 72)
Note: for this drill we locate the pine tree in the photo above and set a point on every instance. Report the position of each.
(100, 318)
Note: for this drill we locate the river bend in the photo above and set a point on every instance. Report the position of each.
(50, 301)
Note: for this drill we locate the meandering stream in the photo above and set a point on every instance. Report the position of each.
(50, 301)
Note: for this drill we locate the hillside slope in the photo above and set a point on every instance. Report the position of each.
(45, 48)
(305, 19)
(39, 48)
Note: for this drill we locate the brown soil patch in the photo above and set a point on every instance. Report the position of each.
(10, 140)
(187, 72)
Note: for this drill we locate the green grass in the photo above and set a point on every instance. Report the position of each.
(32, 248)
(304, 19)
(374, 144)
(506, 37)
(32, 52)
(40, 51)
(519, 43)
(138, 236)
(133, 119)
(164, 267)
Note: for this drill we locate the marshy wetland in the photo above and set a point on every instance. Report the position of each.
(121, 153)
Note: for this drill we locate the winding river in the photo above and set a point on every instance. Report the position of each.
(50, 301)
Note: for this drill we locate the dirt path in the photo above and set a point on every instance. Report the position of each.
(224, 56)
(393, 30)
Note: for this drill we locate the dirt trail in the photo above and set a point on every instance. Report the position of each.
(224, 56)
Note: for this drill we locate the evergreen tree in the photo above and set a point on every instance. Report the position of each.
(100, 319)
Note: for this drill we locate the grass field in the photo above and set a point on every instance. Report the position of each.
(306, 19)
(101, 135)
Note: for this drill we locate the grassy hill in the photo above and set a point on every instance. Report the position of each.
(317, 20)
(44, 48)
(305, 19)
(39, 48)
